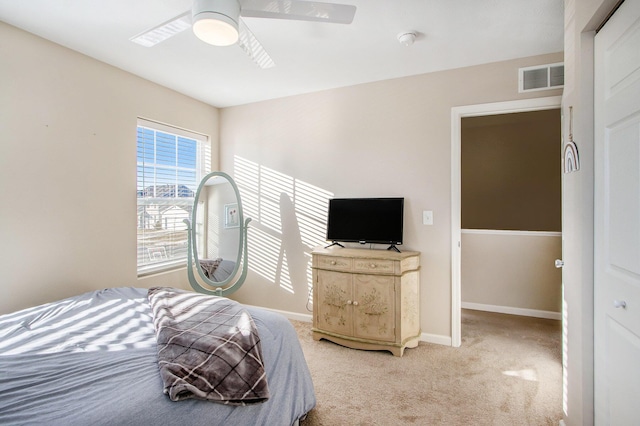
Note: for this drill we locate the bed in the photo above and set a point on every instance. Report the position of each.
(93, 360)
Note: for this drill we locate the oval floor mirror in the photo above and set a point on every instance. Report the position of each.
(217, 240)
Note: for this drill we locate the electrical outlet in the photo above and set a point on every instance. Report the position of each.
(427, 217)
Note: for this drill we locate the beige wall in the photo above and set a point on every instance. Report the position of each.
(511, 168)
(68, 169)
(389, 138)
(512, 272)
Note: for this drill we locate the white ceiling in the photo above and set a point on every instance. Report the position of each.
(309, 56)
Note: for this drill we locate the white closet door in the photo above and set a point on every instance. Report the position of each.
(617, 219)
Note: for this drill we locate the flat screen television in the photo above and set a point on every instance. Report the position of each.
(366, 220)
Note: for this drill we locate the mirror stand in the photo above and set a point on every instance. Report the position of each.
(217, 237)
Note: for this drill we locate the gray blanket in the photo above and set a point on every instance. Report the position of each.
(209, 266)
(208, 348)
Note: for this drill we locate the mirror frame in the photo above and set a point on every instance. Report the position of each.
(192, 251)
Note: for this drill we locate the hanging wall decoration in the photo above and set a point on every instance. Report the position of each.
(571, 157)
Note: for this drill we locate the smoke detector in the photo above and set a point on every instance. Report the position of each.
(407, 38)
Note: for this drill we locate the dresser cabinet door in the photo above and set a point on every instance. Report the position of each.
(335, 297)
(374, 307)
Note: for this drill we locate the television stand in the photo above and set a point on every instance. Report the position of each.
(335, 243)
(394, 248)
(367, 299)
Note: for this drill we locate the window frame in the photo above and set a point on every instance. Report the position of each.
(202, 168)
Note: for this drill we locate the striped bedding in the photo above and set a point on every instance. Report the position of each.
(92, 359)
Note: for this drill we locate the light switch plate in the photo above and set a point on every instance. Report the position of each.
(427, 217)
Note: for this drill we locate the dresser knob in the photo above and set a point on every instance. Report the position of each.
(349, 302)
(373, 265)
(333, 262)
(355, 303)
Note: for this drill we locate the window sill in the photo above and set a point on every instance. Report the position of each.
(159, 269)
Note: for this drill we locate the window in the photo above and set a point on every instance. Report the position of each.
(171, 162)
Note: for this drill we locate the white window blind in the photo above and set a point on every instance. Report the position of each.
(171, 162)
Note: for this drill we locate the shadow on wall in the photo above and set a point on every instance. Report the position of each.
(293, 253)
(288, 220)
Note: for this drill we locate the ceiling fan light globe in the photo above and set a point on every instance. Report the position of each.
(215, 28)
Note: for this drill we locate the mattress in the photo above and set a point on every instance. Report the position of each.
(92, 360)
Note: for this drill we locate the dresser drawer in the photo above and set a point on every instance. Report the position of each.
(381, 266)
(334, 263)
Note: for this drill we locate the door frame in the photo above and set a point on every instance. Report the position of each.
(457, 114)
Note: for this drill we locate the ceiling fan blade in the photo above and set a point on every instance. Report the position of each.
(161, 32)
(298, 10)
(252, 47)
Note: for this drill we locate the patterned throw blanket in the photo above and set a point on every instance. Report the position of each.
(208, 348)
(209, 266)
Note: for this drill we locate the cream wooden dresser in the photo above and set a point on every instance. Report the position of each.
(366, 299)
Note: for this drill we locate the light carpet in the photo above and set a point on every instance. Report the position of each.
(507, 372)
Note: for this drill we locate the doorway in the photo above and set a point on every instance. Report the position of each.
(511, 213)
(457, 114)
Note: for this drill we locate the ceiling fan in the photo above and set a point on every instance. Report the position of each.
(218, 22)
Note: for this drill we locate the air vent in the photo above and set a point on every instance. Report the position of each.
(541, 77)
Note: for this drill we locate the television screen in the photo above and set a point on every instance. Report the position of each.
(365, 220)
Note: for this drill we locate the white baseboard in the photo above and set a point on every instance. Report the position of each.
(513, 311)
(436, 338)
(296, 316)
(290, 315)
